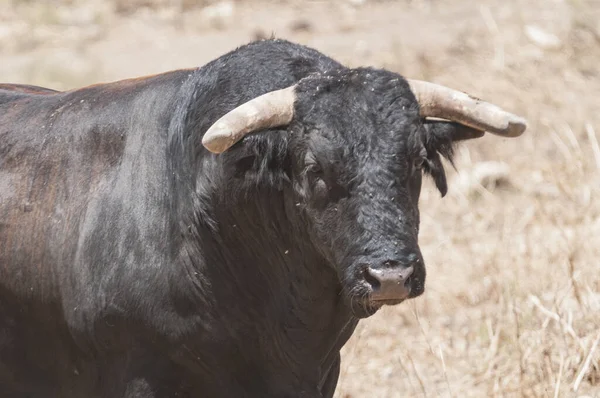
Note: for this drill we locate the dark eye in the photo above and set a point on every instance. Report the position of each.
(314, 173)
(316, 181)
(418, 163)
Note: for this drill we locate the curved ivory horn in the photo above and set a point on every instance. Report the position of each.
(276, 108)
(445, 103)
(273, 109)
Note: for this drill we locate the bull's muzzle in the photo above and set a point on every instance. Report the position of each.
(391, 281)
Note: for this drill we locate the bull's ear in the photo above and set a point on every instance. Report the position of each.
(262, 160)
(440, 138)
(451, 131)
(433, 166)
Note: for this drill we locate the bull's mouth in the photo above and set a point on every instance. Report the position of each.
(378, 303)
(363, 303)
(382, 302)
(363, 306)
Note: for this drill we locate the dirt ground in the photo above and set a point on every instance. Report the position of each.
(512, 303)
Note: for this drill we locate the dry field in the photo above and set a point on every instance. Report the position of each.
(512, 304)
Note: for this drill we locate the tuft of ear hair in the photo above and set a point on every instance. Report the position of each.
(440, 138)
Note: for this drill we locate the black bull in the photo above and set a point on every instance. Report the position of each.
(135, 263)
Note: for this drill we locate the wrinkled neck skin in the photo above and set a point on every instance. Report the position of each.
(276, 308)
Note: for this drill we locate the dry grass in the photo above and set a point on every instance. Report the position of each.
(512, 305)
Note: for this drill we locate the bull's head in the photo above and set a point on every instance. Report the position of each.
(359, 142)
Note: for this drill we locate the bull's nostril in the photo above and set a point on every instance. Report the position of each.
(371, 280)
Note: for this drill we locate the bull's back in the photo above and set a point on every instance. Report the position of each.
(26, 88)
(11, 92)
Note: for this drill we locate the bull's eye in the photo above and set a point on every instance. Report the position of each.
(316, 181)
(418, 163)
(314, 173)
(315, 177)
(314, 170)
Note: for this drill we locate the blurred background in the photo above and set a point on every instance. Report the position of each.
(512, 303)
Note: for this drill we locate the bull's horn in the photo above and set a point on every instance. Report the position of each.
(445, 103)
(273, 109)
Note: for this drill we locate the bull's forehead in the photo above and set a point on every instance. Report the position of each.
(366, 117)
(367, 86)
(362, 103)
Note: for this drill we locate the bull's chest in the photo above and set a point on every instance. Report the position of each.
(275, 358)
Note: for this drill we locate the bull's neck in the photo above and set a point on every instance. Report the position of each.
(284, 286)
(271, 241)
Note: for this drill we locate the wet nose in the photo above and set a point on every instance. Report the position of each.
(391, 281)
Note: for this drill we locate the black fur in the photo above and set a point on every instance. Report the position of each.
(135, 263)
